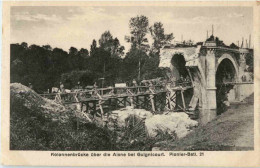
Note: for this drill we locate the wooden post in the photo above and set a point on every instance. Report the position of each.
(132, 101)
(81, 106)
(190, 76)
(152, 102)
(183, 101)
(101, 110)
(168, 98)
(94, 107)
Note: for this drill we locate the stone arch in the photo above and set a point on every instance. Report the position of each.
(178, 66)
(190, 67)
(232, 60)
(194, 63)
(227, 71)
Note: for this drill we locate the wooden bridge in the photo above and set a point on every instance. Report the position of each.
(155, 98)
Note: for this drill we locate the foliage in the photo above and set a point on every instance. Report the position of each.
(70, 79)
(139, 29)
(134, 60)
(159, 37)
(93, 47)
(44, 67)
(108, 43)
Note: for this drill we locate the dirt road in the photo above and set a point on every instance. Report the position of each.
(232, 130)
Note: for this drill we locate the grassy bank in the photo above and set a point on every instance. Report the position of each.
(40, 124)
(232, 130)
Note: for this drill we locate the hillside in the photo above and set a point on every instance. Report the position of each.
(41, 124)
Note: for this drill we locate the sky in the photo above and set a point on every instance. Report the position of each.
(76, 26)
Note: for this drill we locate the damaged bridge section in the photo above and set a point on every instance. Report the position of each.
(210, 67)
(170, 58)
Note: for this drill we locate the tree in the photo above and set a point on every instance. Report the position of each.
(138, 29)
(24, 45)
(83, 53)
(93, 47)
(108, 43)
(150, 68)
(117, 48)
(98, 60)
(70, 79)
(73, 51)
(159, 37)
(76, 60)
(43, 66)
(47, 47)
(133, 64)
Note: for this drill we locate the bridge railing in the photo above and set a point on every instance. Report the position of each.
(82, 95)
(129, 94)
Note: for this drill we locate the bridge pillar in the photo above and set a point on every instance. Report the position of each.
(242, 66)
(210, 69)
(241, 72)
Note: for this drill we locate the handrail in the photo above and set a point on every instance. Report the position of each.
(114, 89)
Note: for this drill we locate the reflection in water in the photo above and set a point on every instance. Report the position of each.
(206, 115)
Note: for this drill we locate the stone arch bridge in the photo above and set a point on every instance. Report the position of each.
(210, 67)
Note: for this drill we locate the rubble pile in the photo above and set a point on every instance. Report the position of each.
(121, 115)
(173, 123)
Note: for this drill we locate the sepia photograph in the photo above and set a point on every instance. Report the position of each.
(81, 81)
(134, 78)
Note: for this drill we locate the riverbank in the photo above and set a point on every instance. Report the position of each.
(232, 130)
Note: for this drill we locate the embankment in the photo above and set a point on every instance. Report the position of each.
(232, 130)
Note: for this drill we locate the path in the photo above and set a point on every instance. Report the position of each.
(233, 130)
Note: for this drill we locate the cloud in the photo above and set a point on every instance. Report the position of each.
(170, 18)
(199, 20)
(36, 18)
(95, 14)
(78, 26)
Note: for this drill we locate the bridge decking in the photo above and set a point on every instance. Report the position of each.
(101, 100)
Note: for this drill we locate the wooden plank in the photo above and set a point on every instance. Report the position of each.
(152, 102)
(183, 101)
